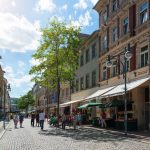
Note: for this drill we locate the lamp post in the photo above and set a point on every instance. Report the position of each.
(127, 55)
(6, 87)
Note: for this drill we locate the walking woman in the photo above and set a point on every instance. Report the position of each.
(16, 119)
(42, 118)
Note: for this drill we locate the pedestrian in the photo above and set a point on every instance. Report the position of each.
(32, 119)
(37, 119)
(42, 118)
(21, 119)
(74, 118)
(16, 119)
(103, 117)
(63, 118)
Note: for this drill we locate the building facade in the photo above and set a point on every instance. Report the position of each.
(125, 24)
(86, 79)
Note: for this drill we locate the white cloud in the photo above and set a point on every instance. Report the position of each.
(65, 7)
(34, 62)
(17, 34)
(8, 69)
(21, 64)
(83, 21)
(94, 1)
(13, 3)
(18, 82)
(45, 5)
(82, 4)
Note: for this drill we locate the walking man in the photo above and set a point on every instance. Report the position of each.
(32, 119)
(21, 119)
(42, 118)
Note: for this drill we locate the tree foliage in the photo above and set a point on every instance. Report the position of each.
(26, 100)
(57, 55)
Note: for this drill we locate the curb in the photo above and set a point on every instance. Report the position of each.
(3, 131)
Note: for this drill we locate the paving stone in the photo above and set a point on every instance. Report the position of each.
(32, 138)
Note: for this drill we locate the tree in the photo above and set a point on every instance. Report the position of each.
(57, 55)
(25, 101)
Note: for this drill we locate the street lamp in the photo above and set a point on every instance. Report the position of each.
(127, 55)
(6, 87)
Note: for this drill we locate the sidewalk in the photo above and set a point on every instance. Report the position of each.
(140, 135)
(2, 131)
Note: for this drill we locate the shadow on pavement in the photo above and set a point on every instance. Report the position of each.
(83, 134)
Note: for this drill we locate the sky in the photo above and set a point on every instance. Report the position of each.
(20, 24)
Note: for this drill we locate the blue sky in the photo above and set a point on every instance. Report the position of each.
(20, 21)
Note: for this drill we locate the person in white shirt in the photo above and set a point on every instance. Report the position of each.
(42, 118)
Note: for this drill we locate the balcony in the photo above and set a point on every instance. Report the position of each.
(142, 27)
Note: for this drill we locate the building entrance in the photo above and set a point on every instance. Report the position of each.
(147, 109)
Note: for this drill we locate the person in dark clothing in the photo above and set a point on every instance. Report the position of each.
(21, 119)
(37, 119)
(32, 119)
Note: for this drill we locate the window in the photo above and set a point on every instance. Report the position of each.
(87, 80)
(62, 93)
(104, 73)
(94, 78)
(93, 51)
(77, 85)
(114, 34)
(67, 92)
(128, 66)
(81, 84)
(125, 26)
(144, 56)
(114, 5)
(81, 60)
(114, 69)
(87, 55)
(105, 17)
(144, 12)
(104, 43)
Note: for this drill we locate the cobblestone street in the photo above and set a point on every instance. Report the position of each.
(31, 138)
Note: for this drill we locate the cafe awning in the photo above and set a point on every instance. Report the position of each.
(99, 93)
(71, 102)
(120, 89)
(89, 105)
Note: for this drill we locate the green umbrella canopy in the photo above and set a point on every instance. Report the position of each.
(89, 105)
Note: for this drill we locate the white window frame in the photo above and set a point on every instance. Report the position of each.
(104, 42)
(143, 11)
(114, 34)
(104, 72)
(114, 69)
(105, 16)
(125, 25)
(144, 53)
